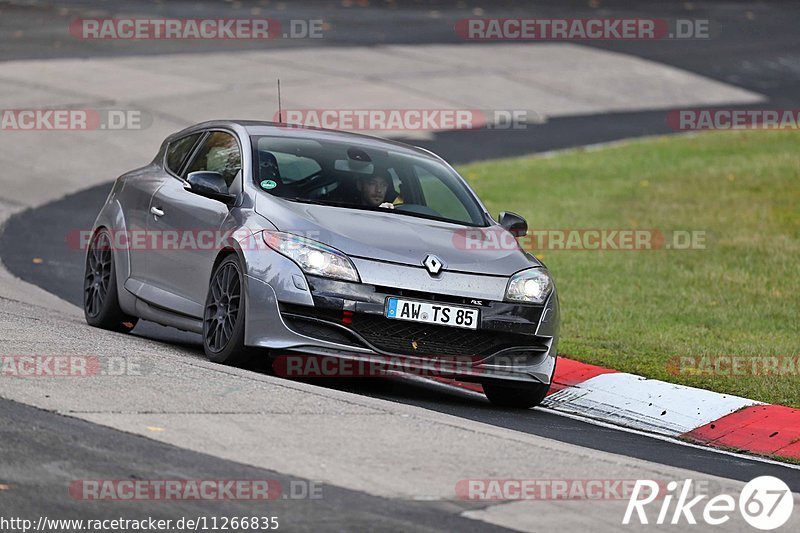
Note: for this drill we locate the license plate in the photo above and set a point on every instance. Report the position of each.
(432, 313)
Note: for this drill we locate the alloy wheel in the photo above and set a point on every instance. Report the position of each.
(98, 274)
(222, 309)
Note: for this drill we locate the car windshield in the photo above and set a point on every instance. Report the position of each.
(361, 176)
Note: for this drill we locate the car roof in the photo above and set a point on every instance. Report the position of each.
(256, 127)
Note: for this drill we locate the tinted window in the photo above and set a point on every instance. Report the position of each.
(178, 150)
(218, 153)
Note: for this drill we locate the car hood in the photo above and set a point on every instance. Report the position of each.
(399, 238)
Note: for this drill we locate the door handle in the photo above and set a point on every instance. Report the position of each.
(156, 212)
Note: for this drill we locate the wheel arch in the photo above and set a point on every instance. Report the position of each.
(228, 250)
(112, 218)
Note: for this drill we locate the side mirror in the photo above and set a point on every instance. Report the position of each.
(211, 185)
(515, 224)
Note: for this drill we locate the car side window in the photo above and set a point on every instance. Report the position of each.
(178, 151)
(218, 153)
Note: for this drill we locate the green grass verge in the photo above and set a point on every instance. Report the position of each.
(637, 311)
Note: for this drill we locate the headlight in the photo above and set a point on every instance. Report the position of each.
(533, 285)
(313, 257)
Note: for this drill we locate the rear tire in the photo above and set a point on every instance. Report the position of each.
(100, 298)
(224, 315)
(518, 395)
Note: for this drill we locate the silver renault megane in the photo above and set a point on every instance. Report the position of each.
(323, 243)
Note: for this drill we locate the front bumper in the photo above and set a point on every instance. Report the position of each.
(516, 342)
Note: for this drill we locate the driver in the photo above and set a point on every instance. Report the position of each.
(372, 190)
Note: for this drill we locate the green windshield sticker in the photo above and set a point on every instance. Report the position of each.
(268, 184)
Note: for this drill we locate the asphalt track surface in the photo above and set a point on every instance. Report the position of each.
(753, 44)
(37, 440)
(759, 51)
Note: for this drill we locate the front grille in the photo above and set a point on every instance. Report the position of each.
(410, 338)
(403, 337)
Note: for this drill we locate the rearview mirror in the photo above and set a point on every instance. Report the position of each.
(211, 185)
(515, 224)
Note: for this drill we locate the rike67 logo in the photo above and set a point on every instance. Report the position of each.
(766, 503)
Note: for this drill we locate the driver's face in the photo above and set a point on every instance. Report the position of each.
(373, 190)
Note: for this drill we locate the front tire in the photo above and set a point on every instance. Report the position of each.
(517, 395)
(100, 298)
(224, 315)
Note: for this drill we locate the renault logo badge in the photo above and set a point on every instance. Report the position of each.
(433, 264)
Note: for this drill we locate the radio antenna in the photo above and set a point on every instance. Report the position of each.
(280, 111)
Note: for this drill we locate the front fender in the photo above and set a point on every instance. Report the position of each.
(111, 216)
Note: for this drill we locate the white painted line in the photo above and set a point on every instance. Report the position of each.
(647, 404)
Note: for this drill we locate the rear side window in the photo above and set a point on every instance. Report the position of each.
(178, 150)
